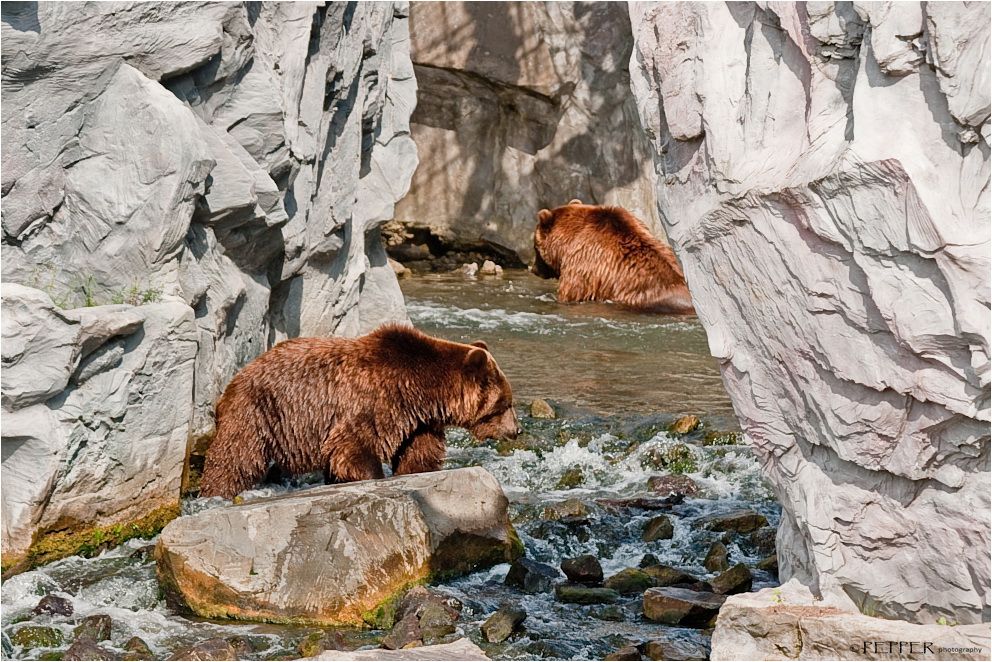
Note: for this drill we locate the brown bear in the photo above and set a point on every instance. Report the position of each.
(607, 254)
(346, 405)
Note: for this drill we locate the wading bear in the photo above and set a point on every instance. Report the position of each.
(346, 405)
(607, 254)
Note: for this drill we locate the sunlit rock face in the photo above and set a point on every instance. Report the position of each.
(823, 174)
(222, 168)
(521, 106)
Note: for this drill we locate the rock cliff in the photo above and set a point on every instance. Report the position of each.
(226, 164)
(522, 105)
(824, 178)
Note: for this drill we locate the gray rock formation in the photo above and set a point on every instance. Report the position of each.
(462, 649)
(232, 160)
(788, 623)
(824, 179)
(522, 105)
(332, 555)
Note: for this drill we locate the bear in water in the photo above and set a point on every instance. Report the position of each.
(607, 254)
(346, 405)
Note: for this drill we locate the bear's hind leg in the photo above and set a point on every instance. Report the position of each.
(423, 451)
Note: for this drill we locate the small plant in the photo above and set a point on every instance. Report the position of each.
(943, 621)
(777, 597)
(134, 295)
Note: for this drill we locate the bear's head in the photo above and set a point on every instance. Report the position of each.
(545, 262)
(488, 398)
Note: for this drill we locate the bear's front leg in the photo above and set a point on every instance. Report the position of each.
(347, 459)
(422, 451)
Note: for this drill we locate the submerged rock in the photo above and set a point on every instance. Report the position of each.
(663, 575)
(583, 569)
(54, 605)
(585, 595)
(630, 581)
(255, 560)
(97, 627)
(738, 521)
(37, 636)
(571, 510)
(658, 528)
(681, 606)
(84, 648)
(648, 560)
(209, 649)
(316, 643)
(717, 558)
(502, 624)
(531, 576)
(735, 580)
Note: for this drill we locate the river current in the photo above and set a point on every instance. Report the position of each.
(616, 379)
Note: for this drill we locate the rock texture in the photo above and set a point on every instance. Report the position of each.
(331, 555)
(231, 160)
(824, 178)
(462, 649)
(521, 106)
(788, 623)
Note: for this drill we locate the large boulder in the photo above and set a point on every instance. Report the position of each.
(460, 650)
(228, 164)
(789, 623)
(335, 555)
(823, 174)
(521, 105)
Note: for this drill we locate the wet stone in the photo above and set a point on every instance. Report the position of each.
(572, 510)
(644, 503)
(137, 649)
(648, 560)
(738, 521)
(96, 627)
(685, 425)
(762, 541)
(625, 653)
(541, 409)
(209, 649)
(502, 624)
(571, 478)
(436, 621)
(36, 636)
(241, 645)
(681, 606)
(54, 605)
(142, 553)
(672, 483)
(84, 648)
(664, 575)
(735, 580)
(583, 569)
(663, 649)
(769, 564)
(717, 558)
(629, 581)
(658, 528)
(584, 595)
(418, 598)
(531, 576)
(403, 633)
(613, 613)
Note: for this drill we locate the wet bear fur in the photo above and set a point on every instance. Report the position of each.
(607, 254)
(346, 405)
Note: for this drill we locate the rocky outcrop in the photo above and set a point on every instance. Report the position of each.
(229, 163)
(334, 555)
(824, 179)
(789, 623)
(462, 649)
(521, 105)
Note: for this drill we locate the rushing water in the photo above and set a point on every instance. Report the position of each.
(617, 380)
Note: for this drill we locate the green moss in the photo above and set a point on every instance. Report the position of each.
(55, 545)
(383, 615)
(572, 478)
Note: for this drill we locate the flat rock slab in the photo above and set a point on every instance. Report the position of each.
(681, 606)
(332, 555)
(788, 624)
(463, 649)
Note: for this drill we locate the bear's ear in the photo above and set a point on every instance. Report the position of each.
(480, 343)
(476, 360)
(544, 216)
(575, 202)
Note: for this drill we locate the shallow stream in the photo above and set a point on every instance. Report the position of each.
(617, 381)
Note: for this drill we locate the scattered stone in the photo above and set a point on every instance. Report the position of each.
(461, 650)
(735, 580)
(625, 653)
(502, 624)
(403, 633)
(685, 425)
(672, 484)
(137, 649)
(531, 576)
(717, 559)
(763, 540)
(643, 503)
(437, 620)
(664, 575)
(608, 613)
(142, 553)
(674, 458)
(571, 509)
(54, 605)
(214, 648)
(470, 269)
(419, 598)
(506, 447)
(629, 581)
(584, 595)
(572, 478)
(673, 649)
(398, 268)
(37, 636)
(769, 564)
(541, 409)
(84, 648)
(316, 643)
(583, 569)
(490, 268)
(648, 560)
(681, 606)
(658, 528)
(96, 627)
(738, 521)
(721, 438)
